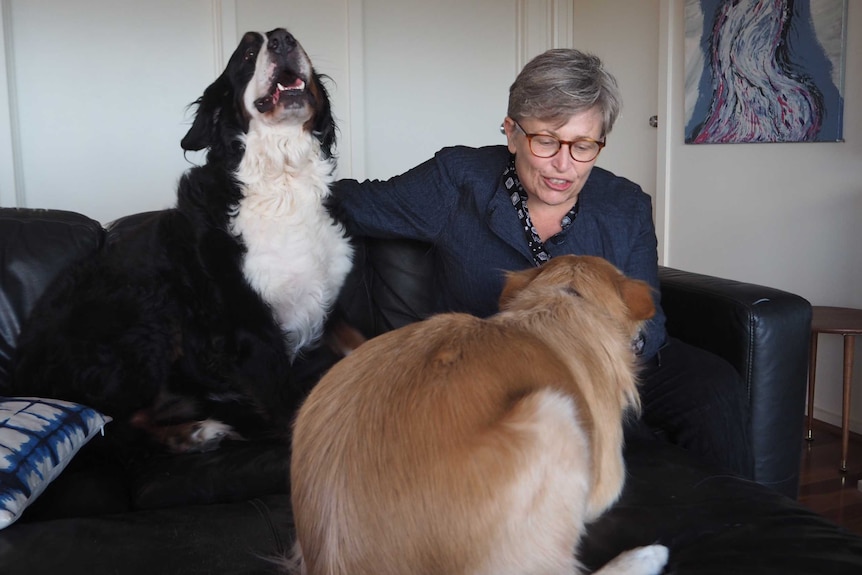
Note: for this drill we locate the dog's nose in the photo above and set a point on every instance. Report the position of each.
(281, 41)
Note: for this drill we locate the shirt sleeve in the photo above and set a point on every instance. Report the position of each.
(414, 205)
(643, 264)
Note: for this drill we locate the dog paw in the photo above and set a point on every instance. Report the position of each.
(196, 436)
(208, 434)
(648, 560)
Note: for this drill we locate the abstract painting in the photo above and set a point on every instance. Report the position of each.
(764, 71)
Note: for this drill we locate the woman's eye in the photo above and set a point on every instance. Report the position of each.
(546, 142)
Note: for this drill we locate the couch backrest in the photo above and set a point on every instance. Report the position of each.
(35, 246)
(391, 285)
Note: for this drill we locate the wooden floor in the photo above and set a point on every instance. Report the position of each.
(823, 487)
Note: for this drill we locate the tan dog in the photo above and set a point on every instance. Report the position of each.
(459, 445)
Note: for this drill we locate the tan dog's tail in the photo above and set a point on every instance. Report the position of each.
(343, 338)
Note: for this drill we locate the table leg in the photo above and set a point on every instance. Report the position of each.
(812, 368)
(849, 344)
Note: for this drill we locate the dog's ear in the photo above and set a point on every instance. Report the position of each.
(324, 127)
(515, 283)
(637, 296)
(203, 132)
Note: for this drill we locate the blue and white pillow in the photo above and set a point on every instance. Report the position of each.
(38, 438)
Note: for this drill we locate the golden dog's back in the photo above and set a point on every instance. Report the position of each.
(460, 445)
(425, 427)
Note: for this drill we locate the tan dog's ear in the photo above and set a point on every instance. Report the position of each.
(638, 298)
(515, 282)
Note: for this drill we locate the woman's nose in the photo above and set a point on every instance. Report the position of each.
(563, 158)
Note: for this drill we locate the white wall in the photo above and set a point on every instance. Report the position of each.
(93, 97)
(438, 73)
(95, 91)
(98, 93)
(784, 215)
(419, 96)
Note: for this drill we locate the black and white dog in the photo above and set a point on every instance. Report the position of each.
(187, 325)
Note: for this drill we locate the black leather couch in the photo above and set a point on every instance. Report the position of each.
(228, 511)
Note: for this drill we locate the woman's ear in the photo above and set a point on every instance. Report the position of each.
(509, 129)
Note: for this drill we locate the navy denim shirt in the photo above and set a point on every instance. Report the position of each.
(457, 201)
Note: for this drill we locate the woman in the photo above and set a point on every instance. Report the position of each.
(499, 208)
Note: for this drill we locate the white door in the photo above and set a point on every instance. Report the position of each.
(625, 35)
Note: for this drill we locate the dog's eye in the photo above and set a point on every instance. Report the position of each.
(572, 291)
(250, 54)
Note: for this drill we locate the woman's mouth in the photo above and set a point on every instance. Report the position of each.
(558, 184)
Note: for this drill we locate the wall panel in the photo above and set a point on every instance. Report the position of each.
(101, 88)
(96, 91)
(438, 73)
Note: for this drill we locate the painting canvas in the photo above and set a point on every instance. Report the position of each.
(764, 70)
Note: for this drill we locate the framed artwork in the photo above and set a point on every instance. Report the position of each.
(764, 71)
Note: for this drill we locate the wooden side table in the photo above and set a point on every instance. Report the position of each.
(846, 322)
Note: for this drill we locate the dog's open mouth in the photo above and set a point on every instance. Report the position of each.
(286, 84)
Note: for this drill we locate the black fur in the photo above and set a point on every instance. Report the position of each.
(163, 328)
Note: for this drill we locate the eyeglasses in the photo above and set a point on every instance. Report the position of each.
(547, 146)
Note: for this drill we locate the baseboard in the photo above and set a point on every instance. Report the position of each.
(835, 419)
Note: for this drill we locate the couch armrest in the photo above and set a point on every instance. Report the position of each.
(764, 333)
(35, 247)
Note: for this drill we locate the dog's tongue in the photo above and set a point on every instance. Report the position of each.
(296, 84)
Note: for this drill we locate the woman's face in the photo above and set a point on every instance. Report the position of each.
(554, 181)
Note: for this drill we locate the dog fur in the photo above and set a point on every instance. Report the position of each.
(186, 325)
(461, 445)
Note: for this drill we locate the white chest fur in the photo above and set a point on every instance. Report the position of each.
(296, 256)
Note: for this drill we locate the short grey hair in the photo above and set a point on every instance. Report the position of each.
(562, 82)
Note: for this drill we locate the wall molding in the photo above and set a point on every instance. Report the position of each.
(833, 418)
(541, 25)
(563, 27)
(356, 89)
(11, 172)
(667, 65)
(224, 33)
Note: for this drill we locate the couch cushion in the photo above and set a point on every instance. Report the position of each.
(236, 471)
(712, 523)
(715, 523)
(243, 537)
(102, 480)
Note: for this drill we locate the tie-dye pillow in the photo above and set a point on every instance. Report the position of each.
(38, 438)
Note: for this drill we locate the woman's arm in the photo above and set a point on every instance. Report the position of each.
(643, 264)
(414, 205)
